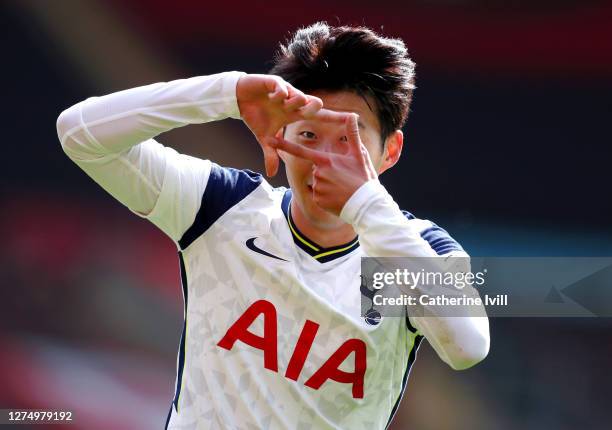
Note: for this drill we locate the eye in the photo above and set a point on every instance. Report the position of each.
(308, 135)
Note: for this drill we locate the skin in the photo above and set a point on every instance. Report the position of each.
(331, 146)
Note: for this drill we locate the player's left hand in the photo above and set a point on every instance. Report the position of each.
(336, 176)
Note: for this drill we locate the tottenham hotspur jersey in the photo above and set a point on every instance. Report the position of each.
(273, 337)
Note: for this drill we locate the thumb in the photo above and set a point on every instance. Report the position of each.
(271, 159)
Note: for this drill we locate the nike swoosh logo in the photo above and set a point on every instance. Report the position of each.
(251, 245)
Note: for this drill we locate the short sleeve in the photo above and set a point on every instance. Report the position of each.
(225, 187)
(184, 181)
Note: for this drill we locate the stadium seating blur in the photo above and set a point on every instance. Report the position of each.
(505, 148)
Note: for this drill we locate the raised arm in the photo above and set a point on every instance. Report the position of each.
(350, 189)
(111, 137)
(460, 336)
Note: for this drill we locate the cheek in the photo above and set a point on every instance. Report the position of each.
(296, 167)
(375, 152)
(375, 157)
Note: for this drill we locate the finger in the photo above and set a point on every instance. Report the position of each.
(322, 186)
(329, 116)
(295, 102)
(277, 91)
(317, 157)
(271, 160)
(274, 162)
(352, 133)
(292, 91)
(313, 105)
(276, 97)
(318, 177)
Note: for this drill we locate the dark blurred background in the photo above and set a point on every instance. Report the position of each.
(508, 146)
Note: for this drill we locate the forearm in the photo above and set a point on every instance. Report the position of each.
(110, 138)
(102, 126)
(384, 231)
(461, 342)
(460, 339)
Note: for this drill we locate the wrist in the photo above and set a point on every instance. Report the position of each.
(362, 198)
(240, 90)
(233, 83)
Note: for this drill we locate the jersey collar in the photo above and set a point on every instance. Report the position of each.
(316, 251)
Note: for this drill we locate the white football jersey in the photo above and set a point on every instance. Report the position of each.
(273, 335)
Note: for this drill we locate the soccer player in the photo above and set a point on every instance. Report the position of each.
(273, 337)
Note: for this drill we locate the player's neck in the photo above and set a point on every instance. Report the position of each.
(326, 236)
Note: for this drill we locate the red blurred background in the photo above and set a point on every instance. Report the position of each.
(511, 115)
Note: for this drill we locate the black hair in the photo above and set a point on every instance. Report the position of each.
(321, 57)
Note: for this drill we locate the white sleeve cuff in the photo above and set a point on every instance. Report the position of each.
(230, 82)
(357, 204)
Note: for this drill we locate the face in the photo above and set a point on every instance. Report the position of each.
(332, 138)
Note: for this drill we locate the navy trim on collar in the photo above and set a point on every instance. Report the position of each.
(318, 252)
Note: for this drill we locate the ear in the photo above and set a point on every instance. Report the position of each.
(393, 150)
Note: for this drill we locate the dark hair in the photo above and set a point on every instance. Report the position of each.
(320, 57)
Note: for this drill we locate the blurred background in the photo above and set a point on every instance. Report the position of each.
(508, 147)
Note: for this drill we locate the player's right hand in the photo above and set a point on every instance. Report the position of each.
(267, 103)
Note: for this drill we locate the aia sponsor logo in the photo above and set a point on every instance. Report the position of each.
(268, 343)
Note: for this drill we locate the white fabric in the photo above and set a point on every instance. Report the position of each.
(384, 231)
(111, 139)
